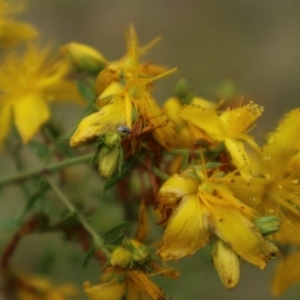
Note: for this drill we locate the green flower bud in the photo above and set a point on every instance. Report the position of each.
(111, 139)
(227, 264)
(267, 225)
(121, 258)
(84, 57)
(108, 160)
(140, 253)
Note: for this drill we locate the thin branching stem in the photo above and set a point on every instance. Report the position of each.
(45, 170)
(98, 241)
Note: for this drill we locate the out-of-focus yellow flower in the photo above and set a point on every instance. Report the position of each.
(12, 32)
(230, 127)
(116, 283)
(27, 83)
(198, 206)
(38, 288)
(286, 274)
(129, 62)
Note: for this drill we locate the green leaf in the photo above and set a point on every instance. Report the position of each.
(40, 150)
(86, 92)
(42, 188)
(117, 176)
(115, 230)
(87, 257)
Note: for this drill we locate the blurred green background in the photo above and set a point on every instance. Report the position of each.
(255, 43)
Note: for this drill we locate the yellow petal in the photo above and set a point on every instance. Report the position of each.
(239, 158)
(187, 231)
(143, 223)
(176, 187)
(5, 122)
(13, 33)
(205, 119)
(281, 145)
(289, 229)
(203, 103)
(163, 129)
(242, 236)
(109, 118)
(63, 91)
(104, 291)
(238, 120)
(172, 108)
(30, 113)
(287, 274)
(249, 193)
(140, 285)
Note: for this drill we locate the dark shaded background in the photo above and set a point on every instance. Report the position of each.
(254, 42)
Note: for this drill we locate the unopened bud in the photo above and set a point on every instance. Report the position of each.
(227, 264)
(84, 57)
(121, 258)
(267, 225)
(140, 252)
(111, 139)
(108, 160)
(183, 91)
(112, 73)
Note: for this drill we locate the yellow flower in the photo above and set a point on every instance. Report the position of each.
(117, 283)
(12, 32)
(199, 206)
(277, 189)
(27, 83)
(230, 127)
(122, 80)
(39, 288)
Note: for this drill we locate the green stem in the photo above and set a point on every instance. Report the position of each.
(98, 241)
(45, 170)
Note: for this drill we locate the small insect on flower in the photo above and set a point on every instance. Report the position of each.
(123, 130)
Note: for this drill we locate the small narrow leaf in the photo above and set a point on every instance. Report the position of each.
(42, 188)
(115, 230)
(87, 257)
(86, 92)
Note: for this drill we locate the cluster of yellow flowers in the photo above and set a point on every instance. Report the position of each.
(220, 186)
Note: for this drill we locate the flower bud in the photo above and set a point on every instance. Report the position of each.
(121, 258)
(183, 91)
(112, 73)
(140, 252)
(84, 57)
(227, 264)
(108, 160)
(111, 139)
(267, 225)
